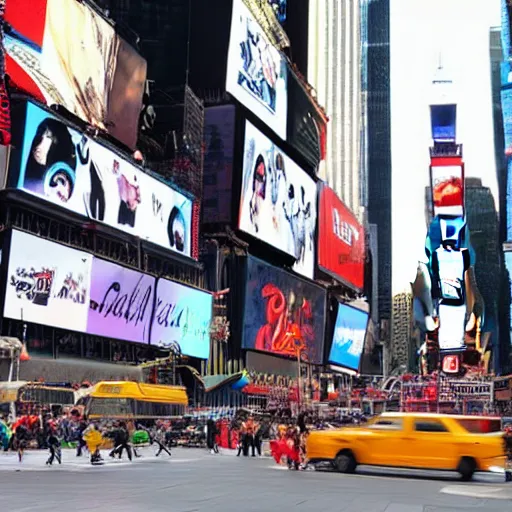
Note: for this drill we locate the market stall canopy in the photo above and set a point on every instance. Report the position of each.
(140, 391)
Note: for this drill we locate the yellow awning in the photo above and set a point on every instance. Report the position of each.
(140, 391)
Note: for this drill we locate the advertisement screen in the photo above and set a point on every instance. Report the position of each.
(121, 302)
(341, 240)
(448, 189)
(219, 134)
(256, 71)
(279, 7)
(183, 316)
(452, 321)
(506, 108)
(82, 65)
(349, 334)
(63, 166)
(47, 283)
(283, 314)
(444, 122)
(278, 200)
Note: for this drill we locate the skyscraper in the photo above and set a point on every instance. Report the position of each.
(334, 70)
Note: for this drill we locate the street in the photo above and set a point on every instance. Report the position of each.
(195, 481)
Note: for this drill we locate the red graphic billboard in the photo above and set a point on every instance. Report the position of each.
(447, 181)
(341, 240)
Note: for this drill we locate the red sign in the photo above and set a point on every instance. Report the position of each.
(447, 182)
(341, 240)
(451, 364)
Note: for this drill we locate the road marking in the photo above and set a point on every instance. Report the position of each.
(478, 491)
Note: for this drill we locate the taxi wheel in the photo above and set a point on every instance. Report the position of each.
(467, 468)
(345, 462)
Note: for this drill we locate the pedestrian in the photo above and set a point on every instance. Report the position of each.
(121, 439)
(81, 444)
(159, 439)
(211, 434)
(53, 443)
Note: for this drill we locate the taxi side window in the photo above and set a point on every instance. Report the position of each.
(387, 424)
(429, 426)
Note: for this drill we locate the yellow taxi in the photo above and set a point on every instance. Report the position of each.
(414, 440)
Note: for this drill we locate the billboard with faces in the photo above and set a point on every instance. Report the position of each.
(278, 200)
(69, 169)
(256, 71)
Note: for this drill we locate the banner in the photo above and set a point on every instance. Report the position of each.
(182, 315)
(63, 166)
(349, 336)
(341, 240)
(82, 65)
(121, 302)
(278, 200)
(283, 314)
(47, 283)
(256, 71)
(219, 133)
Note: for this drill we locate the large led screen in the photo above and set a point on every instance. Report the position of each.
(348, 339)
(506, 108)
(341, 240)
(283, 314)
(182, 315)
(256, 71)
(63, 166)
(278, 200)
(448, 189)
(121, 302)
(47, 283)
(82, 64)
(219, 134)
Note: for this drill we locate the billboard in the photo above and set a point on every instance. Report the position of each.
(278, 200)
(121, 302)
(341, 240)
(51, 284)
(349, 335)
(182, 315)
(82, 65)
(447, 189)
(283, 314)
(256, 71)
(219, 135)
(47, 283)
(63, 166)
(279, 7)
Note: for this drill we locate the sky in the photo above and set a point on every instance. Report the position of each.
(458, 30)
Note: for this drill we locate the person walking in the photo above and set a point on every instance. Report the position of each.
(211, 434)
(53, 443)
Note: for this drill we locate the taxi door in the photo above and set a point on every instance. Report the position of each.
(384, 442)
(432, 445)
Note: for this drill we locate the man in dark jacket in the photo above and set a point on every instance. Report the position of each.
(121, 439)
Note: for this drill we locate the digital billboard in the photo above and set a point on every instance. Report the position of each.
(82, 65)
(278, 200)
(279, 7)
(283, 314)
(52, 284)
(121, 302)
(341, 240)
(219, 138)
(182, 315)
(47, 283)
(256, 71)
(349, 336)
(447, 189)
(63, 166)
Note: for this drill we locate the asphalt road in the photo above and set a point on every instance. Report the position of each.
(195, 481)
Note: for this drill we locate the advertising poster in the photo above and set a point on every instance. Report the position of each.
(278, 200)
(506, 108)
(219, 132)
(256, 71)
(67, 168)
(47, 283)
(283, 314)
(452, 323)
(349, 335)
(82, 65)
(121, 302)
(182, 316)
(448, 190)
(341, 240)
(279, 7)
